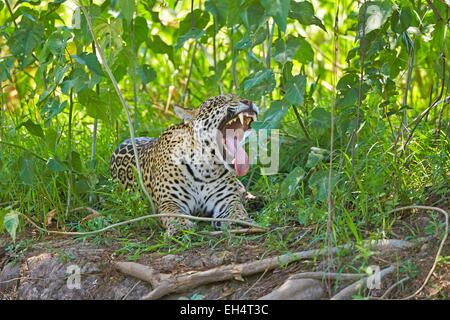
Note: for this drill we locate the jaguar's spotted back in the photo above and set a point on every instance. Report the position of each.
(191, 168)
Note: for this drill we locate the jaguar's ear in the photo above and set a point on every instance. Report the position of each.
(185, 114)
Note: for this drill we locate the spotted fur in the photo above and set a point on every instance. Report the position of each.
(181, 173)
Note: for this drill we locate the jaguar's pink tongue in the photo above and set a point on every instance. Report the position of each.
(240, 158)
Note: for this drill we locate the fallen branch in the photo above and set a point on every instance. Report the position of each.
(296, 289)
(328, 275)
(235, 231)
(167, 284)
(140, 272)
(348, 292)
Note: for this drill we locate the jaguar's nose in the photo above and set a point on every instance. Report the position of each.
(255, 108)
(250, 104)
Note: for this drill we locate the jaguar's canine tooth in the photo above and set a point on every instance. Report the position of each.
(241, 118)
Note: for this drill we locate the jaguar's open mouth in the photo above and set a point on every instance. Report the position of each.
(233, 131)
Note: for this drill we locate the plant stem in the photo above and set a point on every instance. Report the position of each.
(125, 107)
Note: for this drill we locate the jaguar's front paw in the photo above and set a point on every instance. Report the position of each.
(174, 226)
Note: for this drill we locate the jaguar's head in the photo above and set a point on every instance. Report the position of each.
(220, 124)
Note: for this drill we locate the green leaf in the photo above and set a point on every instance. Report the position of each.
(146, 73)
(304, 13)
(56, 43)
(26, 38)
(279, 10)
(26, 169)
(106, 107)
(191, 34)
(5, 68)
(316, 156)
(401, 21)
(273, 117)
(76, 161)
(294, 47)
(200, 19)
(320, 120)
(289, 184)
(226, 11)
(372, 16)
(11, 223)
(295, 90)
(127, 9)
(304, 52)
(318, 183)
(140, 31)
(52, 108)
(258, 84)
(252, 39)
(90, 60)
(33, 128)
(253, 16)
(56, 166)
(157, 45)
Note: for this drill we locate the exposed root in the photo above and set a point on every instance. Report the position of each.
(348, 292)
(164, 284)
(328, 275)
(438, 253)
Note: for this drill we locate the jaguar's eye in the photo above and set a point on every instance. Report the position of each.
(231, 111)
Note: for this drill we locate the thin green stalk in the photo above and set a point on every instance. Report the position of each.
(233, 59)
(70, 177)
(362, 55)
(133, 75)
(124, 104)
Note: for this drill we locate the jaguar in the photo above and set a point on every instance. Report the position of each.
(193, 167)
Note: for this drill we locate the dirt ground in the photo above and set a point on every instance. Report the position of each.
(41, 270)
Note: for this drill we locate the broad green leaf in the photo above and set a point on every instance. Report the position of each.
(140, 31)
(252, 39)
(76, 163)
(11, 223)
(279, 10)
(318, 183)
(226, 11)
(294, 47)
(25, 39)
(78, 81)
(304, 13)
(52, 108)
(304, 52)
(5, 68)
(105, 106)
(200, 20)
(191, 34)
(289, 184)
(26, 169)
(33, 128)
(258, 84)
(253, 16)
(372, 16)
(56, 166)
(146, 73)
(56, 43)
(320, 120)
(127, 9)
(273, 117)
(90, 60)
(295, 90)
(109, 35)
(316, 156)
(157, 45)
(401, 21)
